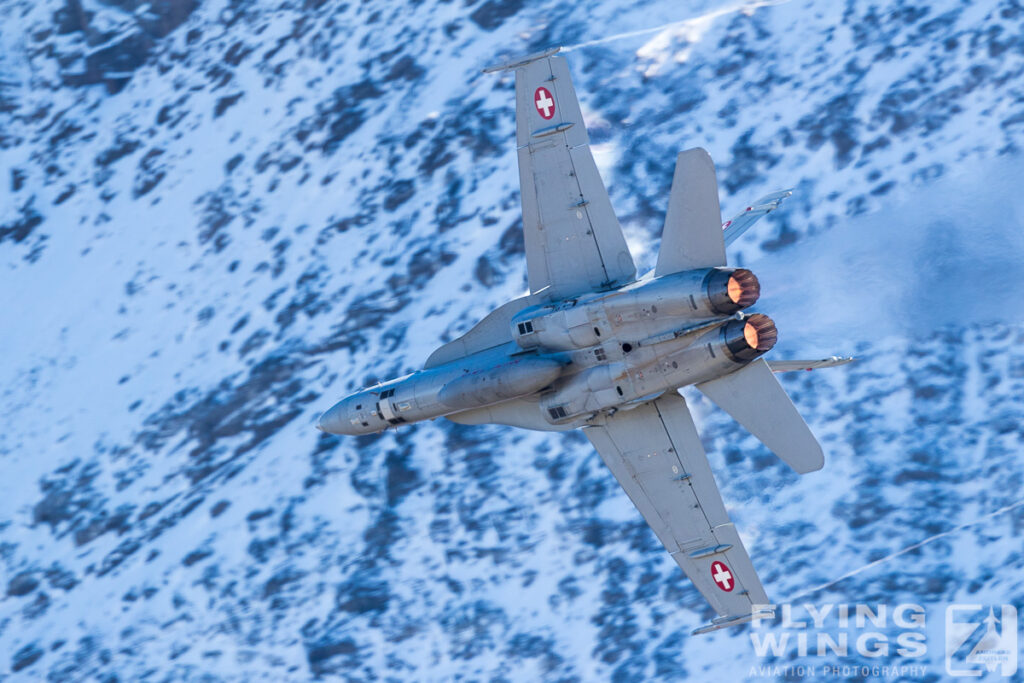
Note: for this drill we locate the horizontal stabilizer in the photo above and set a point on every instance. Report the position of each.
(757, 401)
(791, 365)
(692, 236)
(762, 207)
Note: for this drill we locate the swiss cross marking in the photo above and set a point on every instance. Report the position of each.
(544, 102)
(722, 576)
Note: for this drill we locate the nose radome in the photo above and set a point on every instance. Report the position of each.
(333, 421)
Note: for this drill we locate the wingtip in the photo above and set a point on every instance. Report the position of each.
(515, 62)
(811, 467)
(726, 622)
(812, 462)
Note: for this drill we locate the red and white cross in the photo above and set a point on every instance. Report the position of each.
(544, 102)
(722, 577)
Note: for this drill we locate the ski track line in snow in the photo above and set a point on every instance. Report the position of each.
(904, 551)
(710, 16)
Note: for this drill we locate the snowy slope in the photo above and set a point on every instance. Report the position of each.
(217, 218)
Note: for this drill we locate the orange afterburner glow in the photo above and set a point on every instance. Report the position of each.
(735, 290)
(760, 332)
(743, 288)
(750, 334)
(731, 289)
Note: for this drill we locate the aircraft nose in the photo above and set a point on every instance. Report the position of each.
(333, 421)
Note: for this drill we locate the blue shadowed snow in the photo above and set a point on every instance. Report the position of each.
(217, 218)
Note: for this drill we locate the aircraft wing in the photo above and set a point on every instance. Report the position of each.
(657, 457)
(574, 243)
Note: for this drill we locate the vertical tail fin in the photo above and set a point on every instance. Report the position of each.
(757, 401)
(692, 236)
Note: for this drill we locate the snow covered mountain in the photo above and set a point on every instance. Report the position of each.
(218, 217)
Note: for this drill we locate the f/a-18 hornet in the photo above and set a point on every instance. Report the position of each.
(593, 346)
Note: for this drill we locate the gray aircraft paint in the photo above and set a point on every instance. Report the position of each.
(593, 347)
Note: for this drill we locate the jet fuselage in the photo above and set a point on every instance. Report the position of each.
(593, 346)
(568, 360)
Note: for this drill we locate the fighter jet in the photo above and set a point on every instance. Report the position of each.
(593, 346)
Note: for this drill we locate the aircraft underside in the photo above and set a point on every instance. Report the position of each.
(593, 347)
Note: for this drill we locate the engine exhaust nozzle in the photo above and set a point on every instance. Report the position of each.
(749, 338)
(732, 290)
